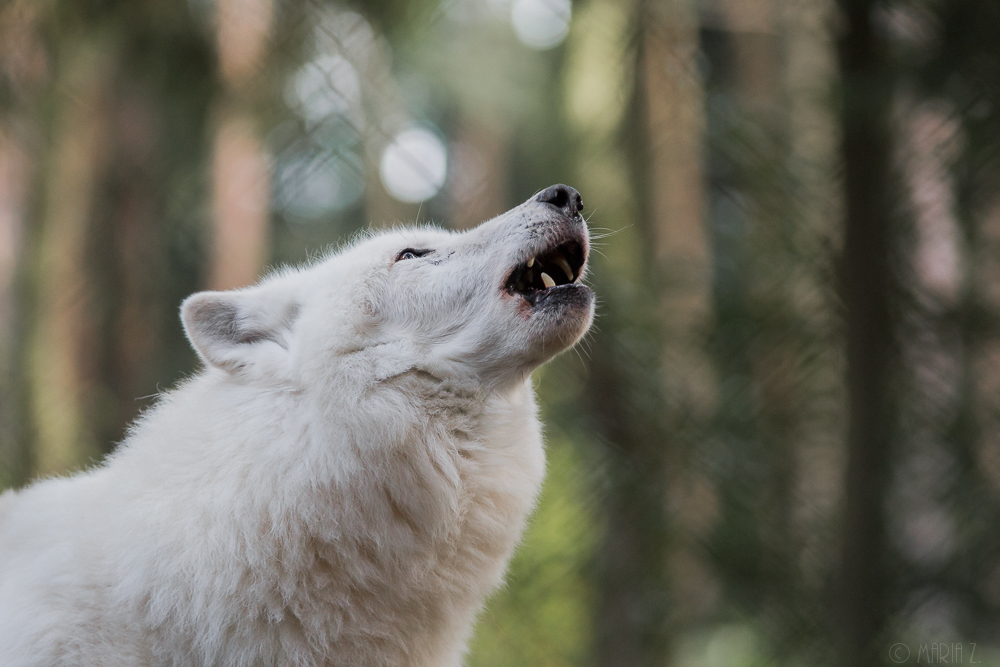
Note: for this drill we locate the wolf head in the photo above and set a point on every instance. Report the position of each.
(491, 303)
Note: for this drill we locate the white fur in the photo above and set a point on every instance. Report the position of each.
(342, 485)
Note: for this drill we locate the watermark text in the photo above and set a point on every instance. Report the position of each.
(934, 653)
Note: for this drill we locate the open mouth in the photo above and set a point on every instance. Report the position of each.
(554, 267)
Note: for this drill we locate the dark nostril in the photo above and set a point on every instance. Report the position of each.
(557, 196)
(562, 197)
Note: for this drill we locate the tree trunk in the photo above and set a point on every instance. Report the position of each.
(64, 342)
(241, 180)
(671, 101)
(14, 169)
(866, 284)
(479, 189)
(654, 283)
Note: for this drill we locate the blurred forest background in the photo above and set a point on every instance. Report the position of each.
(780, 446)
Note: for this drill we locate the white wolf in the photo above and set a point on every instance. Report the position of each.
(342, 485)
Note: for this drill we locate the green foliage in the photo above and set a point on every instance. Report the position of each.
(542, 615)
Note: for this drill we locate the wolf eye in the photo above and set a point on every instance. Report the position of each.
(412, 253)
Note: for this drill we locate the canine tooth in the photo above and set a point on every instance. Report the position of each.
(564, 265)
(531, 262)
(547, 280)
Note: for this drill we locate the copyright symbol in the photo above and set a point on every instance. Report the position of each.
(899, 653)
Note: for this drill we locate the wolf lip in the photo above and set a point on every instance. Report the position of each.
(555, 266)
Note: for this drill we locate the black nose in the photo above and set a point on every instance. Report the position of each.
(563, 197)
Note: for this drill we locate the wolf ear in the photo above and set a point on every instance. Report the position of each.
(239, 330)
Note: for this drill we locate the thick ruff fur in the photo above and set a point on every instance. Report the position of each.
(343, 484)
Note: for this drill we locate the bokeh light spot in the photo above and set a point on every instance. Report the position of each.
(414, 165)
(541, 24)
(327, 85)
(312, 187)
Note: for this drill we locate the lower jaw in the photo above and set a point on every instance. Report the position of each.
(567, 296)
